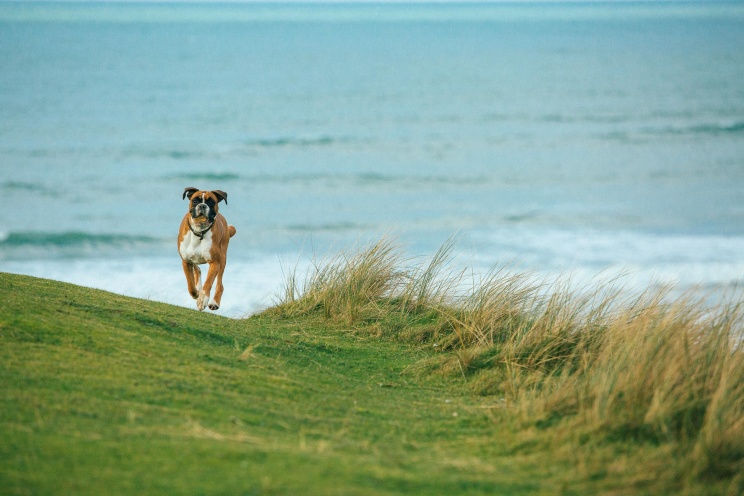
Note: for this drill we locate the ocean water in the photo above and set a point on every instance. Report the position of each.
(563, 138)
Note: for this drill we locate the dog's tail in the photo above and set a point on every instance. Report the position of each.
(231, 230)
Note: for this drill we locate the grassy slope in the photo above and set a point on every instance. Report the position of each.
(106, 394)
(103, 394)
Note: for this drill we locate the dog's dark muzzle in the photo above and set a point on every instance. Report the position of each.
(201, 210)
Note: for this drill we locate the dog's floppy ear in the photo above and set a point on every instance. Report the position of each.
(189, 192)
(221, 195)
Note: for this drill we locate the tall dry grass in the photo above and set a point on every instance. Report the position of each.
(346, 286)
(646, 367)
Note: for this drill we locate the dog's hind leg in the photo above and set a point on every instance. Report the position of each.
(215, 303)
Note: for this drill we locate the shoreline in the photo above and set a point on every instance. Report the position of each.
(253, 284)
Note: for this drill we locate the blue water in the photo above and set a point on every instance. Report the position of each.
(563, 137)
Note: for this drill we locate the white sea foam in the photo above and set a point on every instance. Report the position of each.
(250, 285)
(708, 262)
(714, 264)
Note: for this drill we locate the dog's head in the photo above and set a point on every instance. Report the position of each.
(204, 203)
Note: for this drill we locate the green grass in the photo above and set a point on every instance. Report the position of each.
(371, 377)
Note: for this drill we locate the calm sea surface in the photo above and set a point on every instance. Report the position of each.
(567, 138)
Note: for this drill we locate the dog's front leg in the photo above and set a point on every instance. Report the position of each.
(203, 299)
(193, 278)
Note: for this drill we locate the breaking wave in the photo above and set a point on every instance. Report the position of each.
(30, 244)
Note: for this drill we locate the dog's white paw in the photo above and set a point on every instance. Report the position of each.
(201, 302)
(213, 306)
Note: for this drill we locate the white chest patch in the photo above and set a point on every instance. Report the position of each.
(196, 250)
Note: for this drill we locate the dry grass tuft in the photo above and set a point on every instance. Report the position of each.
(640, 368)
(348, 286)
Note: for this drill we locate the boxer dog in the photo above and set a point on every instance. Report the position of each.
(203, 238)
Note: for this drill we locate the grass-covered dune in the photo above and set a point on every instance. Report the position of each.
(373, 375)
